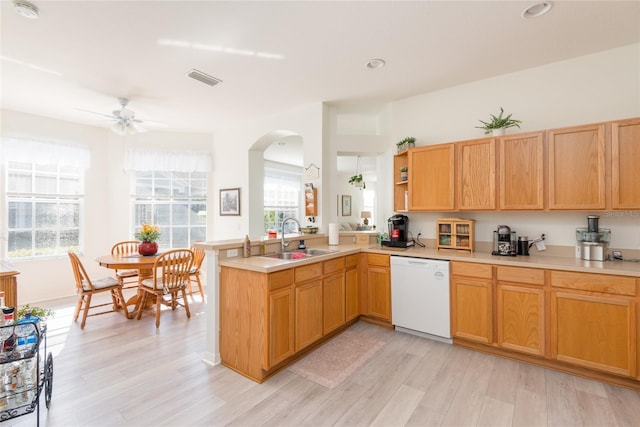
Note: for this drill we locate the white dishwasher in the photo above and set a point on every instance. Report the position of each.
(420, 297)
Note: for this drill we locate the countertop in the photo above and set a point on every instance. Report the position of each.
(268, 265)
(7, 269)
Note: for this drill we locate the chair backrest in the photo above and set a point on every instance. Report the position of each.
(198, 257)
(125, 248)
(172, 268)
(83, 282)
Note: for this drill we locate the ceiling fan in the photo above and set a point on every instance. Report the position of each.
(126, 122)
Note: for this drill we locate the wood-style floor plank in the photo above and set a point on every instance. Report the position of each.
(120, 372)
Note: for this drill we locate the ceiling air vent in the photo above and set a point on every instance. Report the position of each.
(203, 77)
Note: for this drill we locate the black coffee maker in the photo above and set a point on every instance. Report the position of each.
(398, 232)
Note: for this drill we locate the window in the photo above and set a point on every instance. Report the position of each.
(174, 201)
(282, 195)
(369, 204)
(44, 209)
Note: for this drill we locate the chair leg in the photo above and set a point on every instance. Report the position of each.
(200, 286)
(142, 298)
(87, 304)
(123, 303)
(158, 306)
(78, 308)
(114, 298)
(186, 303)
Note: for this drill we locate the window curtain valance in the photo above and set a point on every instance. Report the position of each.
(173, 161)
(41, 152)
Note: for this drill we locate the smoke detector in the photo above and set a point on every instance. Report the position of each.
(26, 9)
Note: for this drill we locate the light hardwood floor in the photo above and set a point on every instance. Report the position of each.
(119, 372)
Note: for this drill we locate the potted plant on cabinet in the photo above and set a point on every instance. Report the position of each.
(406, 143)
(403, 173)
(497, 125)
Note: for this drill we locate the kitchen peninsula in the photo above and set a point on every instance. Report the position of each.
(559, 312)
(9, 283)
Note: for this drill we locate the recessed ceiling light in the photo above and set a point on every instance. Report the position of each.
(26, 9)
(374, 64)
(537, 9)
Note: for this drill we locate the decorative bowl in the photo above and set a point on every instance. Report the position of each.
(309, 230)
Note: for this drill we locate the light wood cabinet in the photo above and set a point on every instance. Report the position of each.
(476, 174)
(520, 309)
(308, 318)
(378, 287)
(625, 158)
(431, 178)
(400, 187)
(455, 233)
(352, 287)
(521, 171)
(471, 301)
(333, 295)
(597, 328)
(281, 321)
(576, 167)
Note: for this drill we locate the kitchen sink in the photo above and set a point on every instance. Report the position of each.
(300, 254)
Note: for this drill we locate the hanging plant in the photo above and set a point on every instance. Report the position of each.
(357, 180)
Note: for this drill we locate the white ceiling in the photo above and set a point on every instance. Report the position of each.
(109, 49)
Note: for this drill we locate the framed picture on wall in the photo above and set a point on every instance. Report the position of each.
(230, 201)
(346, 205)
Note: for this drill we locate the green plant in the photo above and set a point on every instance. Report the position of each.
(356, 180)
(499, 122)
(403, 169)
(42, 313)
(407, 140)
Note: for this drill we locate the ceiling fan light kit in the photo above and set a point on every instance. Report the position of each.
(26, 9)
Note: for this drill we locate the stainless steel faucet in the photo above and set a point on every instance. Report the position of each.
(285, 244)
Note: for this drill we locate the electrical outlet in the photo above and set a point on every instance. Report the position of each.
(231, 253)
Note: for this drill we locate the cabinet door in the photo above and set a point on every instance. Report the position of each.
(476, 169)
(379, 292)
(521, 171)
(576, 162)
(431, 178)
(281, 332)
(520, 318)
(597, 332)
(333, 300)
(625, 158)
(352, 308)
(308, 308)
(471, 309)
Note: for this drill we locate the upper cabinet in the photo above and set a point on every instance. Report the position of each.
(431, 177)
(476, 174)
(576, 165)
(521, 171)
(625, 158)
(400, 186)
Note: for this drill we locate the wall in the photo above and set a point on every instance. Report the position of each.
(107, 216)
(598, 87)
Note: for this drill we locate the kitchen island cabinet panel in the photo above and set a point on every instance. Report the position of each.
(308, 319)
(625, 161)
(352, 287)
(333, 305)
(281, 332)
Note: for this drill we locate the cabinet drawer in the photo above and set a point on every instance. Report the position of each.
(378, 259)
(333, 265)
(483, 271)
(618, 285)
(530, 276)
(351, 260)
(280, 279)
(307, 272)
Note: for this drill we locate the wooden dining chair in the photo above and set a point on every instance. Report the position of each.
(128, 278)
(170, 277)
(86, 288)
(194, 273)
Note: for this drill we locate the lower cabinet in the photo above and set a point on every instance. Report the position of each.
(520, 309)
(308, 320)
(378, 287)
(471, 301)
(281, 321)
(352, 287)
(594, 330)
(333, 302)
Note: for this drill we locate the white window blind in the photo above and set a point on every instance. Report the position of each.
(141, 160)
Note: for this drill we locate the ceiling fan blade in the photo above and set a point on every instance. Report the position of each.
(152, 123)
(98, 114)
(137, 127)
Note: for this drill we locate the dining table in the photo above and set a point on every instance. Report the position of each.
(142, 263)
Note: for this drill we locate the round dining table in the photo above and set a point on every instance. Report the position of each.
(144, 265)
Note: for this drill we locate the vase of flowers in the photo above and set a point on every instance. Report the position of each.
(148, 235)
